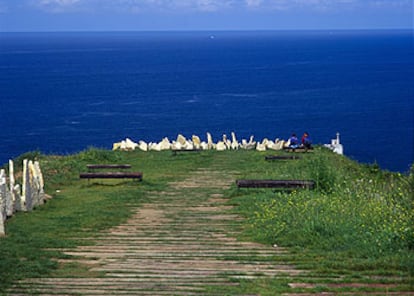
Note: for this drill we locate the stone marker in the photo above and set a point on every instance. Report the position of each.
(209, 141)
(3, 193)
(234, 143)
(10, 204)
(196, 142)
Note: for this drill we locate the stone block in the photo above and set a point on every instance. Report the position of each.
(3, 197)
(26, 200)
(10, 205)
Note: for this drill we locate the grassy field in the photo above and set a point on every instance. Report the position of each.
(357, 225)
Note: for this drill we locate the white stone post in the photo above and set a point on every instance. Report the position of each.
(33, 183)
(39, 184)
(17, 192)
(10, 206)
(3, 194)
(209, 141)
(26, 198)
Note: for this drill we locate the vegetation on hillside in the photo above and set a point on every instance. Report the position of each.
(358, 221)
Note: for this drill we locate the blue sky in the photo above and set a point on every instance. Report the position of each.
(104, 15)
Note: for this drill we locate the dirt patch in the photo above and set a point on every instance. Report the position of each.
(149, 214)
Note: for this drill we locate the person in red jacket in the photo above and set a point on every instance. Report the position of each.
(306, 141)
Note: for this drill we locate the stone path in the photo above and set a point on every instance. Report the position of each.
(180, 243)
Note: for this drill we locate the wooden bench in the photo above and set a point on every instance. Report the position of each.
(108, 166)
(281, 157)
(110, 175)
(176, 151)
(289, 184)
(298, 150)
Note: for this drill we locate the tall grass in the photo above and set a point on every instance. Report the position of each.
(356, 211)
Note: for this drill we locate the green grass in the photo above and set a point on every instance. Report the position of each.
(357, 224)
(78, 208)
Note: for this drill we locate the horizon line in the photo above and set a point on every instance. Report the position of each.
(212, 30)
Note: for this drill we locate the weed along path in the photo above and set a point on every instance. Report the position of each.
(181, 242)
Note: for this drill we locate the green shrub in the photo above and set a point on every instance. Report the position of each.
(96, 155)
(353, 210)
(322, 172)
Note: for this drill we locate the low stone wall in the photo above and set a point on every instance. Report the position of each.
(181, 143)
(15, 197)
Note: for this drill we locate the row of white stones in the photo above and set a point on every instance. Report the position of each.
(14, 197)
(181, 143)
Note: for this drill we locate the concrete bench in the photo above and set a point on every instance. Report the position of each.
(289, 184)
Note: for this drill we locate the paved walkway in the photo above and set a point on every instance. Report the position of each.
(180, 243)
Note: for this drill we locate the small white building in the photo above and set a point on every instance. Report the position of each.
(336, 145)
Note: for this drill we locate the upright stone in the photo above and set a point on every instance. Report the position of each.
(39, 175)
(130, 145)
(39, 184)
(221, 146)
(234, 143)
(165, 144)
(176, 146)
(196, 142)
(17, 192)
(182, 140)
(143, 146)
(10, 205)
(26, 199)
(278, 144)
(209, 141)
(3, 193)
(2, 229)
(204, 145)
(249, 145)
(226, 141)
(260, 147)
(33, 183)
(116, 146)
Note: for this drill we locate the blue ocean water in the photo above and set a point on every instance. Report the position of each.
(63, 92)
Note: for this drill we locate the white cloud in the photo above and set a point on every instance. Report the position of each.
(168, 5)
(324, 4)
(288, 4)
(253, 3)
(191, 5)
(207, 5)
(58, 2)
(396, 3)
(56, 6)
(185, 6)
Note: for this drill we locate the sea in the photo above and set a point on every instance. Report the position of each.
(62, 92)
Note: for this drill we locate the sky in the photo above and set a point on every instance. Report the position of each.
(165, 15)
